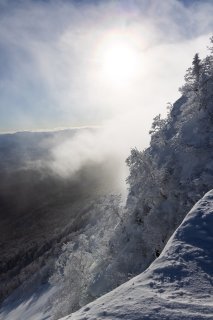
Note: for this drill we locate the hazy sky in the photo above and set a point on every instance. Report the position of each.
(52, 71)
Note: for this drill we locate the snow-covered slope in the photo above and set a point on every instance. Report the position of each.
(178, 285)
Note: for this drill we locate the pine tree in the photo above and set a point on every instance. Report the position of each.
(196, 71)
(211, 48)
(192, 76)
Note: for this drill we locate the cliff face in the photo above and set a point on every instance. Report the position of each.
(177, 285)
(176, 170)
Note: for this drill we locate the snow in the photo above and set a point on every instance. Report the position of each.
(177, 285)
(31, 307)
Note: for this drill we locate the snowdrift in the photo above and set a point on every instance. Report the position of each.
(177, 285)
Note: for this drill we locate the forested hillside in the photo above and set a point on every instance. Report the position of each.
(169, 288)
(39, 209)
(177, 169)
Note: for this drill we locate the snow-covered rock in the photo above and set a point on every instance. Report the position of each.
(177, 285)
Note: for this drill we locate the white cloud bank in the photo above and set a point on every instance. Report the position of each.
(51, 76)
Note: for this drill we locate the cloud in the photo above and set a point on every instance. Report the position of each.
(50, 76)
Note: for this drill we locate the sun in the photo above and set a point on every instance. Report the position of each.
(118, 60)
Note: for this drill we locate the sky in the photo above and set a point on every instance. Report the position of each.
(51, 68)
(112, 65)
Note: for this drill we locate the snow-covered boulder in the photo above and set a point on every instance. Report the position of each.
(177, 285)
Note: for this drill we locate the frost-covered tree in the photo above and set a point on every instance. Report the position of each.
(196, 71)
(211, 47)
(81, 270)
(157, 124)
(192, 76)
(198, 75)
(72, 278)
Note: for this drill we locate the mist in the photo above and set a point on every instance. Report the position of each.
(66, 124)
(52, 77)
(51, 74)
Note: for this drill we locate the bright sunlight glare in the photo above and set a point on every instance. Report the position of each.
(119, 61)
